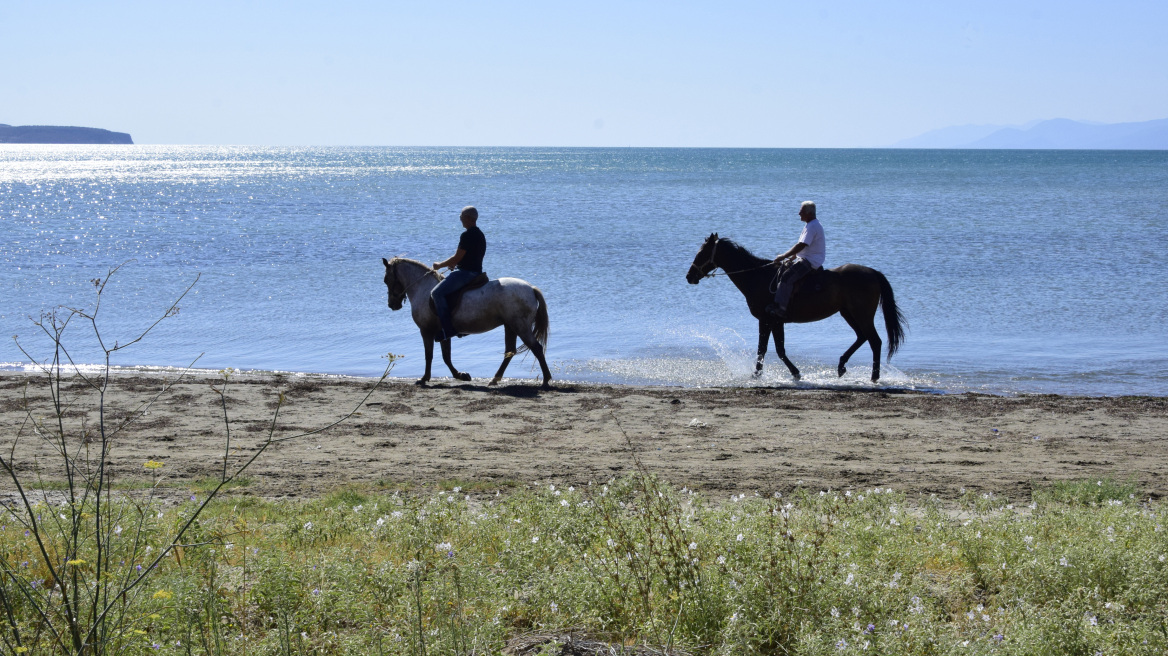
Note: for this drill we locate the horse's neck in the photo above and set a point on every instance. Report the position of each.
(744, 269)
(418, 279)
(732, 259)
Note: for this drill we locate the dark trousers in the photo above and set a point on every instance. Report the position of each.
(787, 282)
(452, 283)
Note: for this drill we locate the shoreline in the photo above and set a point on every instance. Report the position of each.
(162, 371)
(717, 440)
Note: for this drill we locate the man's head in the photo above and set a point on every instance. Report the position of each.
(469, 216)
(807, 211)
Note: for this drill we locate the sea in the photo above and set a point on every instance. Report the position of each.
(1019, 272)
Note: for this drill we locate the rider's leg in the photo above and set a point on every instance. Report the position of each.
(452, 283)
(786, 283)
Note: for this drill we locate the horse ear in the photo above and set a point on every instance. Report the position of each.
(385, 262)
(715, 236)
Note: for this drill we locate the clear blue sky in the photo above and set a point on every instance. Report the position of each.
(593, 73)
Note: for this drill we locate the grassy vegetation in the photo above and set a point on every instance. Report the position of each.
(634, 561)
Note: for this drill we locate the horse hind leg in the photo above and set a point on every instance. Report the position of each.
(508, 353)
(864, 333)
(860, 339)
(458, 375)
(525, 333)
(874, 340)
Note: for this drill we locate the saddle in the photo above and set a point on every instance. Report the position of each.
(456, 298)
(811, 283)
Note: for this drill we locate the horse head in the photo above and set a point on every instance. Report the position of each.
(703, 262)
(397, 291)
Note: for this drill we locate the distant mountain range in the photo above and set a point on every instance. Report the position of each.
(1053, 134)
(60, 134)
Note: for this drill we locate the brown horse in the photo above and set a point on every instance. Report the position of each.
(852, 290)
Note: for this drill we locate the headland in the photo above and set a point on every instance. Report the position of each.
(60, 134)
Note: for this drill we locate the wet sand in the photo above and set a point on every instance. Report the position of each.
(719, 441)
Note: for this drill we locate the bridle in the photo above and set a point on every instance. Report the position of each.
(713, 254)
(406, 288)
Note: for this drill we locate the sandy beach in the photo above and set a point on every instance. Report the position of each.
(719, 441)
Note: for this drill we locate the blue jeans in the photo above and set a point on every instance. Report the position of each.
(452, 283)
(796, 271)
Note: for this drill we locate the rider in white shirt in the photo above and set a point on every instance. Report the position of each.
(808, 253)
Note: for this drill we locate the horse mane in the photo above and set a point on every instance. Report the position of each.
(741, 253)
(402, 259)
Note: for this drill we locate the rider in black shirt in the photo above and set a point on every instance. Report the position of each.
(468, 259)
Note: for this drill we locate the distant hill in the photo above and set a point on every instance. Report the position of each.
(59, 134)
(1059, 133)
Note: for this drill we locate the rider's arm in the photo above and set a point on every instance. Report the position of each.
(794, 250)
(453, 260)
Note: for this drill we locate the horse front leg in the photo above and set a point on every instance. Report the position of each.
(509, 337)
(764, 333)
(428, 341)
(781, 350)
(458, 375)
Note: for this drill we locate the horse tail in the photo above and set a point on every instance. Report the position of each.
(541, 319)
(894, 321)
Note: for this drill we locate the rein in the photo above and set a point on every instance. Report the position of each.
(711, 274)
(406, 288)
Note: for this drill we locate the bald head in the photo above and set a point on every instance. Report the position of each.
(469, 216)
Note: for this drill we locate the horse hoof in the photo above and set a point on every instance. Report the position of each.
(494, 381)
(465, 377)
(757, 373)
(422, 382)
(842, 370)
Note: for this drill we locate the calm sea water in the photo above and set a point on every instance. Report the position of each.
(1019, 271)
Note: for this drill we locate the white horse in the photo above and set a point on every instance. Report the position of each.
(509, 302)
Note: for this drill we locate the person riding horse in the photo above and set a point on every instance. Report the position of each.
(808, 253)
(467, 264)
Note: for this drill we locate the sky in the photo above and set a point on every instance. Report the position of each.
(595, 73)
